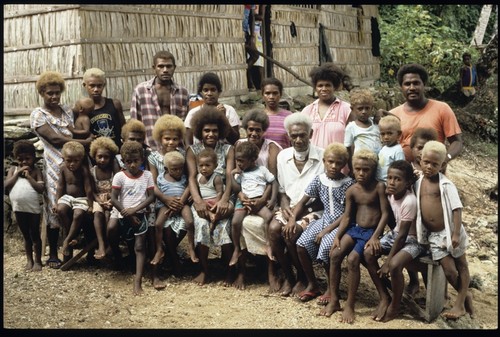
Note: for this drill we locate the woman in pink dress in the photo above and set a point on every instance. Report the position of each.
(271, 90)
(330, 115)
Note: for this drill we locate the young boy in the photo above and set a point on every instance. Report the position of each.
(439, 224)
(75, 193)
(362, 133)
(417, 142)
(83, 107)
(250, 181)
(390, 131)
(24, 183)
(365, 216)
(132, 193)
(399, 244)
(468, 77)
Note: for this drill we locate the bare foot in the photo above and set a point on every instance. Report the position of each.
(379, 313)
(228, 281)
(138, 287)
(158, 258)
(330, 308)
(235, 257)
(274, 283)
(64, 248)
(29, 265)
(298, 288)
(347, 315)
(201, 279)
(468, 305)
(100, 253)
(192, 255)
(73, 243)
(37, 266)
(287, 289)
(239, 283)
(158, 284)
(390, 313)
(454, 313)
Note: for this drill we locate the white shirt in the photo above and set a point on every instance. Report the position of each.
(363, 138)
(291, 181)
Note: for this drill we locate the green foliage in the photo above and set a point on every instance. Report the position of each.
(434, 36)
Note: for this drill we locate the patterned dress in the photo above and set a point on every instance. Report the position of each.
(52, 156)
(332, 194)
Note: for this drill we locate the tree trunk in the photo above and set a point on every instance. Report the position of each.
(478, 36)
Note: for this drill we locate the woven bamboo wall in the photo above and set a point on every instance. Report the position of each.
(121, 40)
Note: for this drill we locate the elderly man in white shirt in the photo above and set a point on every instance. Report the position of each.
(298, 165)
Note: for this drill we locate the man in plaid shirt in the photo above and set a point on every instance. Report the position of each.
(159, 96)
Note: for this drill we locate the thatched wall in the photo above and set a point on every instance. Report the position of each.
(122, 39)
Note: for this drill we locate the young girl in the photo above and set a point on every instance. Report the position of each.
(173, 183)
(315, 242)
(251, 181)
(103, 151)
(417, 142)
(25, 183)
(210, 183)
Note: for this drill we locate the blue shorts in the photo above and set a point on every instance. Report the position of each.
(360, 236)
(127, 231)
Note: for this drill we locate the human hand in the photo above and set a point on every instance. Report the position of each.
(383, 271)
(128, 211)
(336, 245)
(374, 245)
(174, 203)
(455, 239)
(24, 172)
(201, 208)
(319, 237)
(90, 210)
(221, 108)
(221, 209)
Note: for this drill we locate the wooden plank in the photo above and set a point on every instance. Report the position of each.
(77, 257)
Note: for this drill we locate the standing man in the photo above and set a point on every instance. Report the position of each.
(420, 112)
(159, 96)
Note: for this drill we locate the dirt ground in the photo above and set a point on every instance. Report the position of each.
(98, 297)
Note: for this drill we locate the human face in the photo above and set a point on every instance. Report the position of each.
(397, 184)
(210, 135)
(333, 164)
(416, 150)
(299, 137)
(176, 169)
(25, 159)
(133, 163)
(206, 166)
(164, 70)
(72, 160)
(210, 94)
(254, 133)
(363, 111)
(466, 60)
(51, 96)
(243, 162)
(94, 86)
(363, 171)
(170, 140)
(431, 164)
(388, 136)
(325, 91)
(271, 96)
(413, 88)
(103, 158)
(136, 137)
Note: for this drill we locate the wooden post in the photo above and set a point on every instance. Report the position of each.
(44, 235)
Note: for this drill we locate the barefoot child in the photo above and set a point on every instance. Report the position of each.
(83, 107)
(439, 224)
(173, 183)
(315, 243)
(365, 216)
(75, 194)
(132, 193)
(400, 243)
(25, 185)
(251, 181)
(103, 151)
(168, 131)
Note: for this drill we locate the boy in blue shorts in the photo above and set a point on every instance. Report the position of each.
(363, 222)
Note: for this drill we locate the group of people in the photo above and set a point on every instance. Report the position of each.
(301, 188)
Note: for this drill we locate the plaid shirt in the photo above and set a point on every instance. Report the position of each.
(145, 107)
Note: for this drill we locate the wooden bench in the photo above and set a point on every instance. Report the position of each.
(436, 290)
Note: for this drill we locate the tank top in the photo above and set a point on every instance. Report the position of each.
(105, 122)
